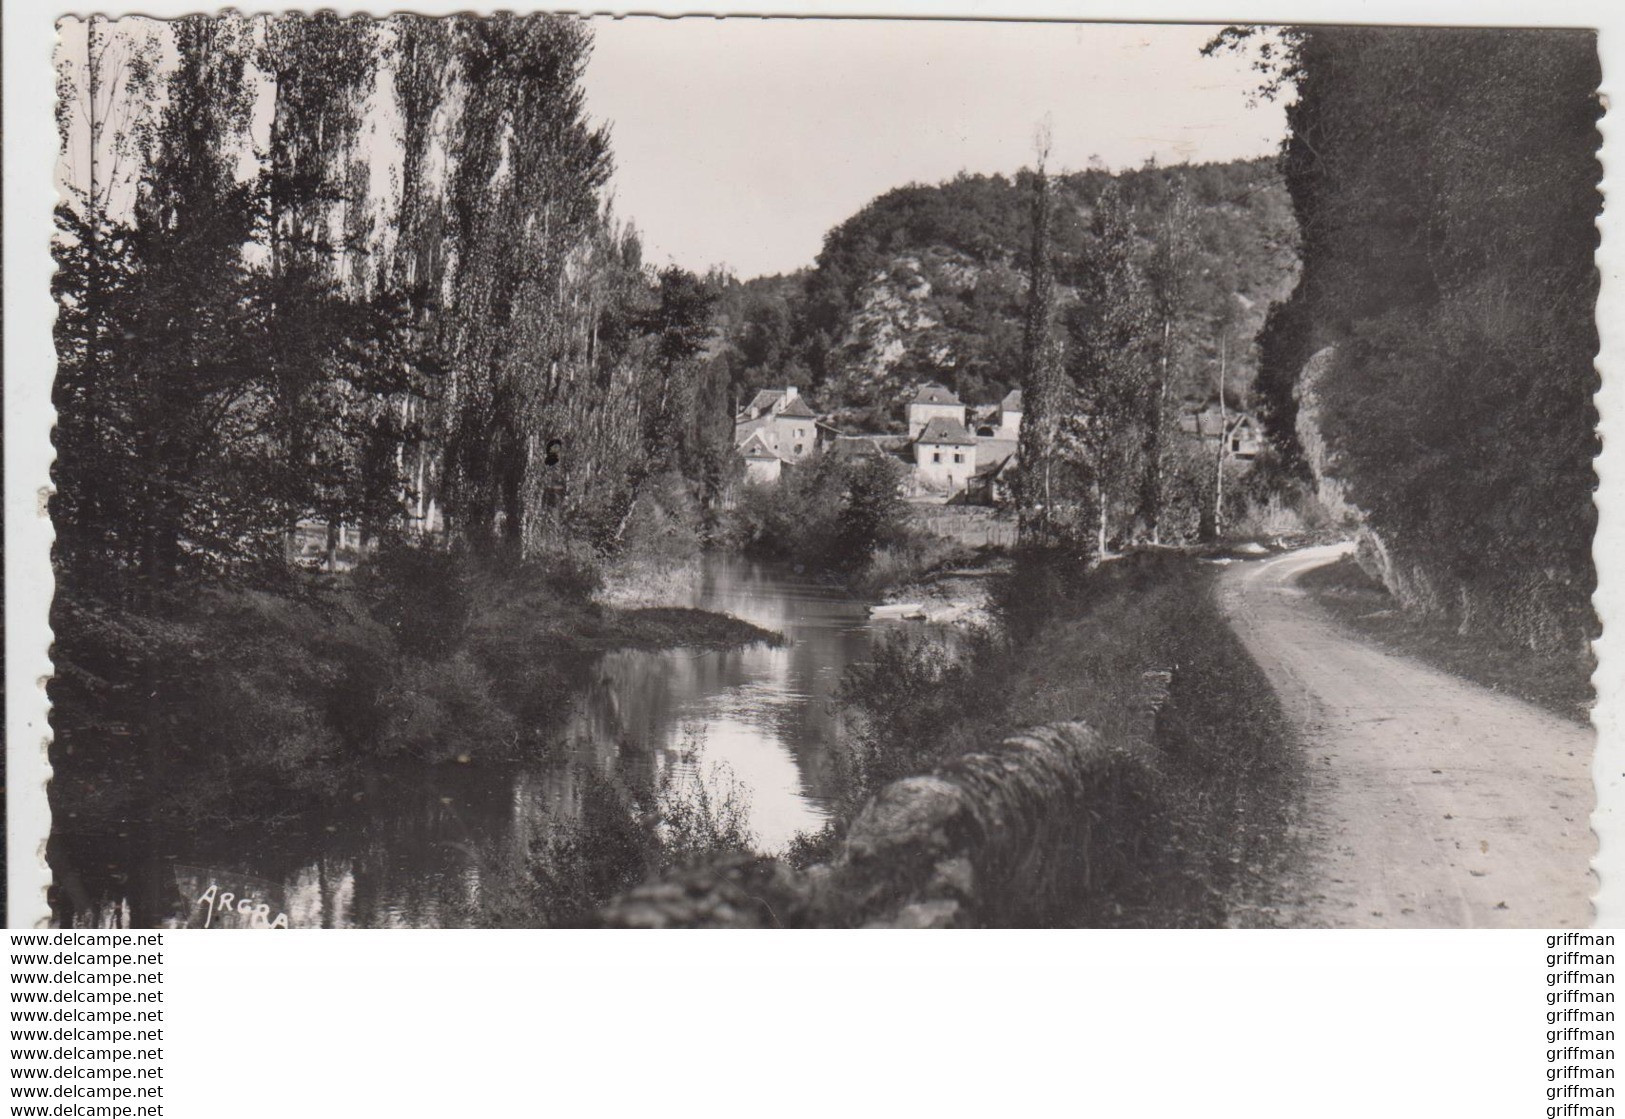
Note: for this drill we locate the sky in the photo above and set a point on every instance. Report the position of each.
(742, 141)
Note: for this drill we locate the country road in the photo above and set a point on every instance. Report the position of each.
(1431, 802)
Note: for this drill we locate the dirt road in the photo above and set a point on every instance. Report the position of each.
(1432, 802)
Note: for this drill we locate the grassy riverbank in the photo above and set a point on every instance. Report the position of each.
(229, 707)
(1561, 683)
(1139, 651)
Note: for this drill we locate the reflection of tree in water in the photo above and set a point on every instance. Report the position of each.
(425, 846)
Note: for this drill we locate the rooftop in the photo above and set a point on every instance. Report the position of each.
(797, 408)
(935, 394)
(764, 400)
(1011, 401)
(945, 429)
(756, 448)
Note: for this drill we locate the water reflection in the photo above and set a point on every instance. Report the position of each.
(760, 712)
(410, 848)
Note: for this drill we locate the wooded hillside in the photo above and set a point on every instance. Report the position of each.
(929, 282)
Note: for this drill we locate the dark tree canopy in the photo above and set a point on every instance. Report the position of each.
(1446, 186)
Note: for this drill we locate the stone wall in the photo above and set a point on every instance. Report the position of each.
(974, 526)
(1024, 834)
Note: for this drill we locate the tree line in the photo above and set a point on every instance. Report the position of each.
(1446, 185)
(1116, 332)
(255, 330)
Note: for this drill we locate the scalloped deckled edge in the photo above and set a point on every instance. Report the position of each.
(1608, 546)
(30, 157)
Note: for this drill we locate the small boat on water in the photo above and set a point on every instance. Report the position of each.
(898, 611)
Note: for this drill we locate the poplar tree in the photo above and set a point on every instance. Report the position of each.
(1169, 276)
(522, 201)
(1111, 368)
(1040, 384)
(322, 70)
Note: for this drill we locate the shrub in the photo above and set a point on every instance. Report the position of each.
(665, 521)
(443, 711)
(624, 830)
(424, 594)
(828, 512)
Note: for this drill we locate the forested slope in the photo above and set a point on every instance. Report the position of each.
(929, 282)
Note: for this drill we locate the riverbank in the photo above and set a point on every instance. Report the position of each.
(1138, 652)
(956, 592)
(228, 710)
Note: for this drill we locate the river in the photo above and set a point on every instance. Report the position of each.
(416, 848)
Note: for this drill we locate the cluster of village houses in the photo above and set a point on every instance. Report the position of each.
(953, 451)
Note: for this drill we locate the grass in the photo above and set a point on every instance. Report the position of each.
(1559, 683)
(666, 627)
(1139, 650)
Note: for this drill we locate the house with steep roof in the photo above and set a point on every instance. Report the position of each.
(933, 401)
(763, 464)
(784, 423)
(944, 455)
(1241, 434)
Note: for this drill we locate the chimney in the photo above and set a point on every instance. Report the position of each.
(790, 392)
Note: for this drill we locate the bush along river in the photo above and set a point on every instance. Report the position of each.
(425, 846)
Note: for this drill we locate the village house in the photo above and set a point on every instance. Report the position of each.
(782, 420)
(779, 422)
(933, 402)
(1001, 421)
(762, 463)
(944, 456)
(948, 460)
(1207, 421)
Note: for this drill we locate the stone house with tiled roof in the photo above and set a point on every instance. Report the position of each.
(944, 455)
(763, 464)
(952, 451)
(933, 401)
(784, 424)
(1241, 433)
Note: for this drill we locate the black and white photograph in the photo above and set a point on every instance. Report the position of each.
(550, 471)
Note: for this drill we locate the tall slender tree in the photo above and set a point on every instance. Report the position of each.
(322, 71)
(1170, 280)
(1111, 360)
(1040, 381)
(522, 199)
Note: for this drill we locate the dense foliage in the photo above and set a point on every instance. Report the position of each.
(832, 513)
(930, 282)
(259, 336)
(1446, 186)
(253, 333)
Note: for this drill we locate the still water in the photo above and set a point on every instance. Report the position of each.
(415, 849)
